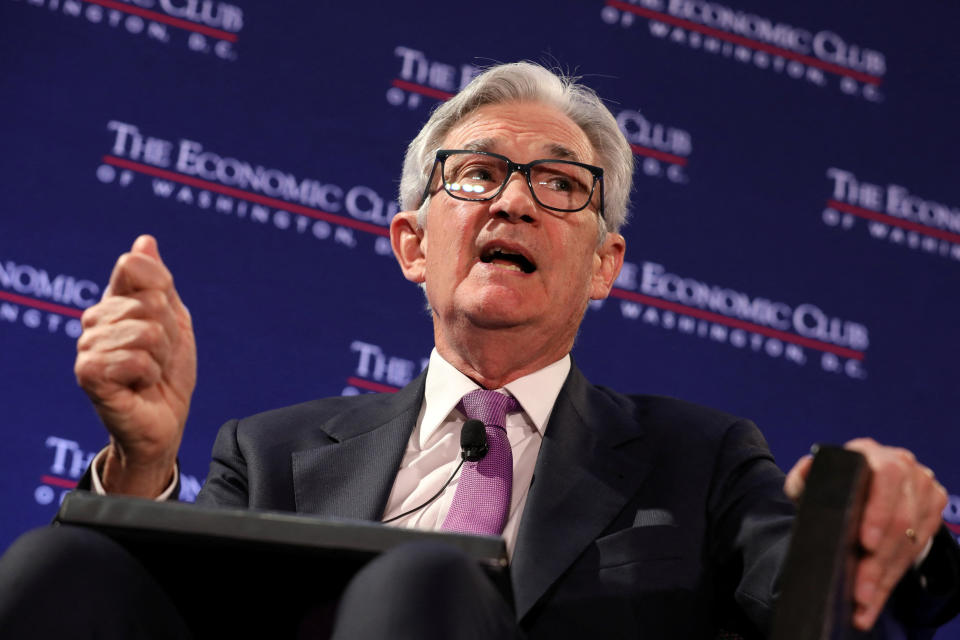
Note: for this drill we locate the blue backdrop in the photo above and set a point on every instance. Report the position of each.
(793, 255)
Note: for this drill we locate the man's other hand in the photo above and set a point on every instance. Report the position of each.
(903, 511)
(137, 361)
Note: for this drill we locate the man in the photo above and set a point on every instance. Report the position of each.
(625, 516)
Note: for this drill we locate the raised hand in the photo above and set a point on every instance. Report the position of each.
(137, 360)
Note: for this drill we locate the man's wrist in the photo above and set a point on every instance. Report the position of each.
(109, 475)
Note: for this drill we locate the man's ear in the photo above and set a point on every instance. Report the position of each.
(409, 244)
(608, 265)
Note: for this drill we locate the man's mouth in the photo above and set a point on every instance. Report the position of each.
(508, 259)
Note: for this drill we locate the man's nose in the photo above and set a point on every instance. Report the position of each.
(515, 202)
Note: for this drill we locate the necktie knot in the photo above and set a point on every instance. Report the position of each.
(489, 407)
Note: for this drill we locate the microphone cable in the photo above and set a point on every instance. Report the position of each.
(473, 447)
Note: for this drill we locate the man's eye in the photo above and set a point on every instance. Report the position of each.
(477, 174)
(560, 184)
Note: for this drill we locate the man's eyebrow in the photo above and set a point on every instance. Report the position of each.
(481, 144)
(562, 152)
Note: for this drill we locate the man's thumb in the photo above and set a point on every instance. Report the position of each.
(147, 244)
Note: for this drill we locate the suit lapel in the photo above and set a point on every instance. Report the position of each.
(590, 464)
(352, 476)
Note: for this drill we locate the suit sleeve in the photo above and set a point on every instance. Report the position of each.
(750, 520)
(929, 595)
(227, 481)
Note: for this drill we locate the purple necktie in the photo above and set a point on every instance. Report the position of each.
(482, 501)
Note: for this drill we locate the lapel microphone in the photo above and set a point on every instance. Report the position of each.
(473, 441)
(473, 447)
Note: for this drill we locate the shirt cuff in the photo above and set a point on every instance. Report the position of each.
(923, 554)
(98, 489)
(921, 559)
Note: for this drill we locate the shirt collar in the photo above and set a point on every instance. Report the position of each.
(445, 386)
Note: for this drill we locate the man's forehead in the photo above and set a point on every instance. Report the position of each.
(540, 130)
(547, 149)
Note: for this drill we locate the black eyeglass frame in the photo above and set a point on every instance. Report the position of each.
(512, 167)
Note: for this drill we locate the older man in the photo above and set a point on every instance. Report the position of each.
(625, 516)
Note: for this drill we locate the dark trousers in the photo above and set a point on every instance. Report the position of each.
(71, 582)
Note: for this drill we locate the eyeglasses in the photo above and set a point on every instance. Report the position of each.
(559, 185)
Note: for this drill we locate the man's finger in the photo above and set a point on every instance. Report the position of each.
(876, 580)
(866, 590)
(147, 245)
(864, 617)
(149, 304)
(132, 334)
(136, 271)
(886, 490)
(797, 478)
(135, 368)
(931, 500)
(100, 373)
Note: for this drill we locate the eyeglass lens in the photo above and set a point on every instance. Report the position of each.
(557, 185)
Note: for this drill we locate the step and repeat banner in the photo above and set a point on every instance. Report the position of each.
(793, 253)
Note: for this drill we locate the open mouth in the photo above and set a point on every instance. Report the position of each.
(508, 259)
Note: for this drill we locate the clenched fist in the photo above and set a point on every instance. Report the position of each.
(137, 360)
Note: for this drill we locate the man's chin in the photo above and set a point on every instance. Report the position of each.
(498, 311)
(496, 305)
(497, 319)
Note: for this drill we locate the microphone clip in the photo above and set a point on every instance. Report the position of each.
(473, 441)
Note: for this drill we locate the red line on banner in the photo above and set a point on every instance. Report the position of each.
(876, 216)
(58, 482)
(419, 88)
(953, 527)
(372, 386)
(747, 42)
(164, 18)
(40, 304)
(246, 195)
(738, 324)
(659, 155)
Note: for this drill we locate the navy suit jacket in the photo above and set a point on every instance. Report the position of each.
(647, 516)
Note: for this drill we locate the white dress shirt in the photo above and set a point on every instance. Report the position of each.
(433, 451)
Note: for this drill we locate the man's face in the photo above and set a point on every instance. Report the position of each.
(472, 276)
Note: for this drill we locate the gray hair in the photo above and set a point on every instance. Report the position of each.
(529, 82)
